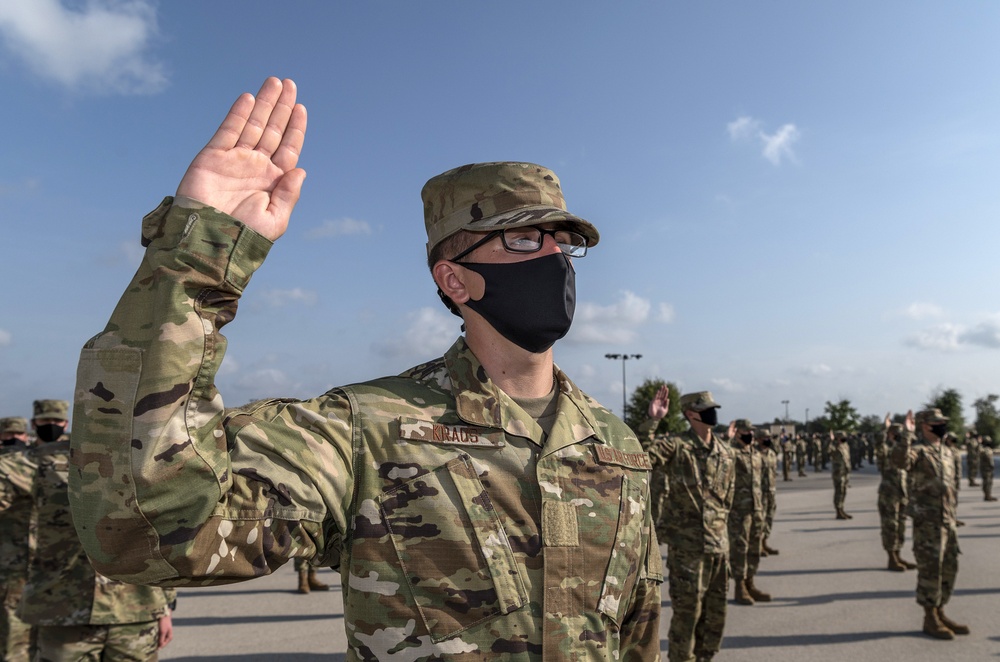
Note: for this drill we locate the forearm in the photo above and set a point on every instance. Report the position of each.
(147, 416)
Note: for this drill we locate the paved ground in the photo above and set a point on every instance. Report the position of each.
(833, 598)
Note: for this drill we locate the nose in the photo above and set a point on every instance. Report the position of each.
(549, 245)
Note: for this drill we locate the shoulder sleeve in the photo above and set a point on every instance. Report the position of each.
(167, 486)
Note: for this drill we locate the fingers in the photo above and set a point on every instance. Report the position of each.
(267, 103)
(286, 156)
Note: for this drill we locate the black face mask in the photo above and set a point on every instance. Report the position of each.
(766, 443)
(49, 431)
(939, 429)
(529, 303)
(9, 442)
(747, 438)
(710, 416)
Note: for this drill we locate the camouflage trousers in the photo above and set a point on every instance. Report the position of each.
(972, 464)
(800, 461)
(840, 491)
(770, 506)
(987, 476)
(935, 548)
(130, 642)
(15, 634)
(745, 540)
(699, 583)
(892, 512)
(658, 492)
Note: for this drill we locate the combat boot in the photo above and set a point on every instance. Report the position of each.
(973, 483)
(303, 581)
(756, 593)
(909, 565)
(314, 583)
(846, 514)
(988, 495)
(771, 551)
(957, 628)
(742, 597)
(933, 625)
(841, 514)
(895, 564)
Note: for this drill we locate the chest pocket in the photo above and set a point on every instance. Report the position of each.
(455, 555)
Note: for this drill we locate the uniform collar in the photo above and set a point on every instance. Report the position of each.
(478, 401)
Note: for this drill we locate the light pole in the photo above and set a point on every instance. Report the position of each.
(785, 402)
(807, 417)
(623, 358)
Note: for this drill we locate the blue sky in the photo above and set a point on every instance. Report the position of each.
(797, 201)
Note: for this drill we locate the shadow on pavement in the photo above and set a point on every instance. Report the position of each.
(729, 643)
(273, 618)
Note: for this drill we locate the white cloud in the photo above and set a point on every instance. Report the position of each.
(344, 227)
(941, 337)
(667, 313)
(428, 333)
(727, 385)
(100, 46)
(817, 370)
(265, 380)
(276, 298)
(984, 334)
(920, 310)
(5, 338)
(612, 324)
(775, 147)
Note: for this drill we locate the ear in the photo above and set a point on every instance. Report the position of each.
(451, 279)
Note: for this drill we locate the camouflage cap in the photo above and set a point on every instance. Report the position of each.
(488, 196)
(51, 409)
(699, 401)
(14, 424)
(896, 429)
(764, 433)
(931, 416)
(744, 424)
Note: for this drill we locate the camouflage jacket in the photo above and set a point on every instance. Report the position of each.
(894, 480)
(931, 477)
(769, 474)
(15, 541)
(985, 460)
(702, 482)
(747, 490)
(840, 459)
(62, 587)
(460, 529)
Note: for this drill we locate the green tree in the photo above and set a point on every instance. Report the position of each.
(987, 416)
(637, 409)
(949, 401)
(842, 416)
(872, 424)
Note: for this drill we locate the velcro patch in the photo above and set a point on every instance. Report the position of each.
(608, 455)
(440, 433)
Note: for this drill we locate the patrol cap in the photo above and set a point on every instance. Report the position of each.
(931, 416)
(744, 424)
(764, 433)
(896, 428)
(490, 196)
(13, 424)
(51, 409)
(699, 401)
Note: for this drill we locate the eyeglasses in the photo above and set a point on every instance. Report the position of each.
(529, 240)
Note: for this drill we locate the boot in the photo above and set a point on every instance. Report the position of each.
(895, 564)
(846, 514)
(314, 583)
(802, 473)
(909, 565)
(957, 628)
(959, 522)
(742, 597)
(973, 483)
(841, 514)
(756, 593)
(988, 495)
(303, 581)
(933, 625)
(771, 551)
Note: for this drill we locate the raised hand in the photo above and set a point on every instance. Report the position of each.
(248, 169)
(911, 424)
(659, 406)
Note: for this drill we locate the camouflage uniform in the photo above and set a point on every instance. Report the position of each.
(892, 503)
(971, 459)
(801, 451)
(930, 468)
(840, 454)
(746, 515)
(15, 634)
(701, 482)
(76, 612)
(769, 490)
(986, 467)
(462, 529)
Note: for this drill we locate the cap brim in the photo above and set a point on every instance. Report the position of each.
(533, 216)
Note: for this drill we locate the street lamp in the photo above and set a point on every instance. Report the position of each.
(785, 402)
(807, 417)
(623, 358)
